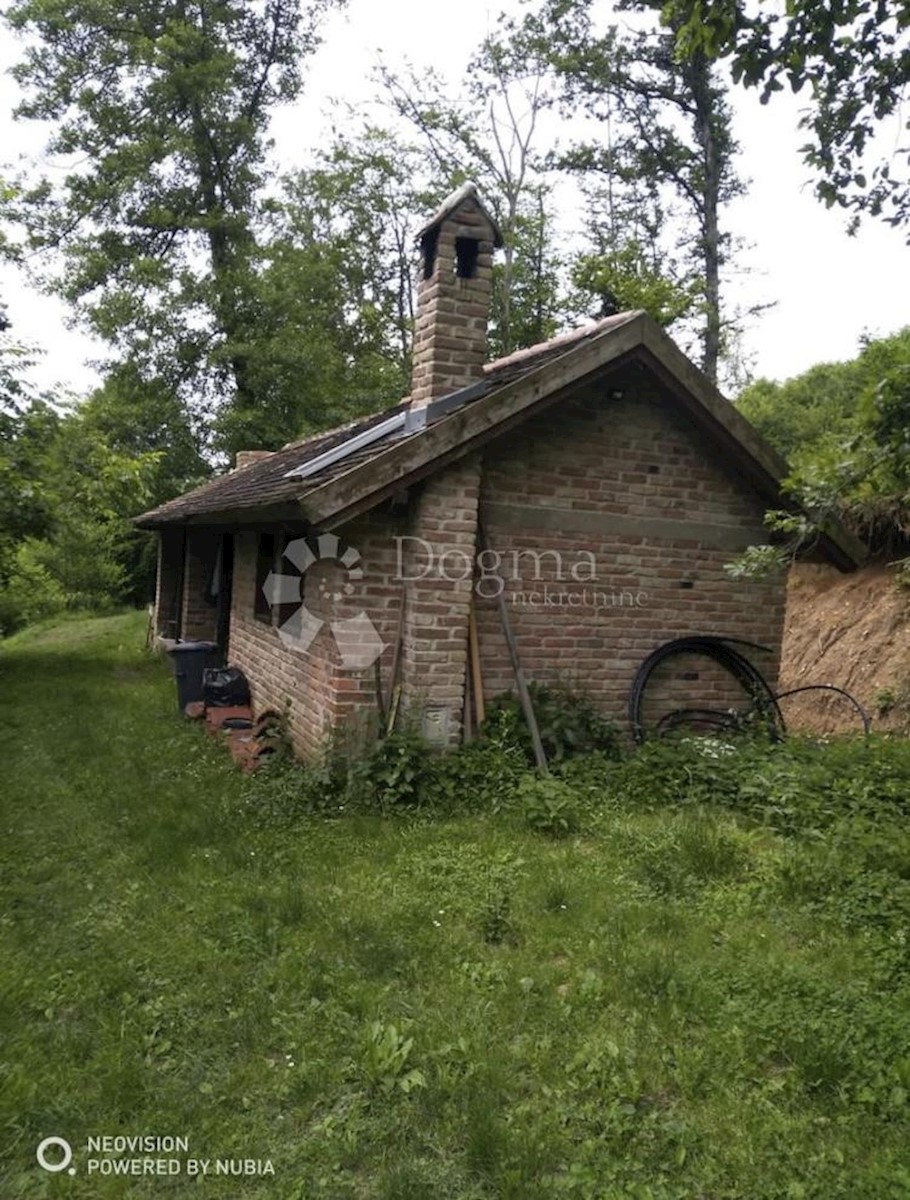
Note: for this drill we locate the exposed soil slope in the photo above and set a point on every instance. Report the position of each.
(852, 631)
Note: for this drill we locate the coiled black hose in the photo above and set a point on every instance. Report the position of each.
(829, 687)
(720, 650)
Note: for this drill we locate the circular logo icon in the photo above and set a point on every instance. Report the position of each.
(356, 638)
(49, 1163)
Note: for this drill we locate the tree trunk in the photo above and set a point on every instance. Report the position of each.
(712, 169)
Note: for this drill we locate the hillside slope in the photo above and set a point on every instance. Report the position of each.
(852, 631)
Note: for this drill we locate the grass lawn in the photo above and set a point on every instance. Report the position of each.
(680, 1000)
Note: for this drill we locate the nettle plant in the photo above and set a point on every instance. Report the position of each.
(392, 774)
(569, 723)
(548, 805)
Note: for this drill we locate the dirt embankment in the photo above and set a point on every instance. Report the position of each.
(852, 631)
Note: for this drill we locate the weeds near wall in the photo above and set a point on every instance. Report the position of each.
(548, 805)
(570, 724)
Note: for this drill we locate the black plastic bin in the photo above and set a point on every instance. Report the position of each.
(190, 660)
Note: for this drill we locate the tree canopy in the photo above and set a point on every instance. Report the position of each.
(845, 428)
(658, 172)
(160, 111)
(853, 58)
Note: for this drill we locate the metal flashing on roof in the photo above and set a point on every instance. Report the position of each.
(366, 438)
(412, 420)
(416, 419)
(443, 405)
(426, 414)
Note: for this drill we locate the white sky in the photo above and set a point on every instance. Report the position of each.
(829, 288)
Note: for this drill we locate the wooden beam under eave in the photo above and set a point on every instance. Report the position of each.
(289, 513)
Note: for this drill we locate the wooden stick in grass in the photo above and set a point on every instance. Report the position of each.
(476, 676)
(527, 707)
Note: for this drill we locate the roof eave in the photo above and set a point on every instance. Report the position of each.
(249, 516)
(354, 492)
(461, 432)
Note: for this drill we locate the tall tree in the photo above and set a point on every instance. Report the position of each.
(625, 263)
(854, 59)
(160, 109)
(333, 292)
(27, 425)
(138, 417)
(488, 132)
(667, 146)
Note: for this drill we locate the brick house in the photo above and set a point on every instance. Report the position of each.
(598, 481)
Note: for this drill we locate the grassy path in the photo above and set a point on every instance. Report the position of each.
(411, 1009)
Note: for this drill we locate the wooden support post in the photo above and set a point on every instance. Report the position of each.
(476, 676)
(389, 707)
(524, 695)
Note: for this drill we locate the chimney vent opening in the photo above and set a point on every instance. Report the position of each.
(466, 252)
(428, 244)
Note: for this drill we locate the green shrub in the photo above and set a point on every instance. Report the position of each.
(31, 593)
(400, 772)
(548, 805)
(391, 775)
(283, 791)
(797, 786)
(477, 777)
(568, 721)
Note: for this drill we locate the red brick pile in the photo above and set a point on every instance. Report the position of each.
(249, 744)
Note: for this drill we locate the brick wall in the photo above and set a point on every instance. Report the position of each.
(644, 518)
(277, 675)
(325, 694)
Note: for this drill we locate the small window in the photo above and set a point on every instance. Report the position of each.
(265, 563)
(428, 245)
(466, 252)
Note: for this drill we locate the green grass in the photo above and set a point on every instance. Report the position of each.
(681, 998)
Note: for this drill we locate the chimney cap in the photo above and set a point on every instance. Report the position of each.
(467, 191)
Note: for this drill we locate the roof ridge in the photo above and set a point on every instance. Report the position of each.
(567, 339)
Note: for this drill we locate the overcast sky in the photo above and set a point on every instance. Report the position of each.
(829, 288)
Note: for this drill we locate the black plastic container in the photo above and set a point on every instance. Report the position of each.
(190, 660)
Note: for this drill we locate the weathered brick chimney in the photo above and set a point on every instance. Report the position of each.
(245, 457)
(453, 296)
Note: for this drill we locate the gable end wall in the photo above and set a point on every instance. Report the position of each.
(621, 475)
